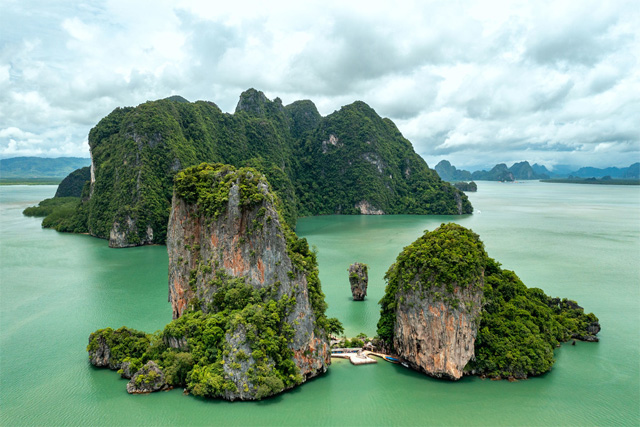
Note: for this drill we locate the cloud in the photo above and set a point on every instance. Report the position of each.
(476, 83)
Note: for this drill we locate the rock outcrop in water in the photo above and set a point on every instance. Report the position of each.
(437, 298)
(449, 309)
(148, 379)
(359, 279)
(224, 225)
(249, 312)
(108, 348)
(466, 186)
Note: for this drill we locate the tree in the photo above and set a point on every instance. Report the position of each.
(334, 326)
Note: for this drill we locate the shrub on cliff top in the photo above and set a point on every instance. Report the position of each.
(207, 185)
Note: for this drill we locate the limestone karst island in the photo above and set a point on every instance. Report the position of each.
(224, 192)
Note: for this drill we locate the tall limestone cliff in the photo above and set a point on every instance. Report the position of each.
(449, 310)
(249, 312)
(224, 227)
(433, 301)
(351, 162)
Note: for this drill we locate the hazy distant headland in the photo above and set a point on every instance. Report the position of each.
(524, 171)
(38, 170)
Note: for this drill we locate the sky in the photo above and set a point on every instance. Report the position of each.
(473, 82)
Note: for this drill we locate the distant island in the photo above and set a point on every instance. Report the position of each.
(466, 186)
(524, 171)
(500, 172)
(605, 180)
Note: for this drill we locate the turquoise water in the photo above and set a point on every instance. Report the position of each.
(581, 242)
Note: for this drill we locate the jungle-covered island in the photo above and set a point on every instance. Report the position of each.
(349, 162)
(449, 310)
(247, 302)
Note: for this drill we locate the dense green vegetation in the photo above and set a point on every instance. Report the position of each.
(353, 155)
(47, 206)
(40, 167)
(66, 214)
(137, 151)
(207, 185)
(200, 364)
(519, 326)
(124, 344)
(73, 184)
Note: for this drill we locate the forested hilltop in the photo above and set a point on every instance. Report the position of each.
(349, 162)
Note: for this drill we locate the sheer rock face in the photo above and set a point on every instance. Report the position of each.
(435, 337)
(433, 300)
(359, 279)
(118, 236)
(247, 242)
(101, 356)
(367, 209)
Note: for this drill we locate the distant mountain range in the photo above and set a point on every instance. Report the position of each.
(499, 172)
(523, 171)
(40, 167)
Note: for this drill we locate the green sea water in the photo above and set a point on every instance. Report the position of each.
(581, 242)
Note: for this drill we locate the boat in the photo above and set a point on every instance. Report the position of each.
(391, 359)
(404, 364)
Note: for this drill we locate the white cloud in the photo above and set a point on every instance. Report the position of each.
(78, 29)
(474, 82)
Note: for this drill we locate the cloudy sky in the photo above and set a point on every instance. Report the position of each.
(476, 83)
